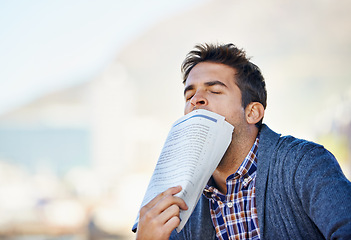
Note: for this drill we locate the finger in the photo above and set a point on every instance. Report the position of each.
(169, 191)
(170, 212)
(160, 197)
(168, 201)
(171, 224)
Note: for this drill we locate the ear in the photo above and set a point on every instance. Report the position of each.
(254, 112)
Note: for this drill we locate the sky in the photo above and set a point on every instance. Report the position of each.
(48, 45)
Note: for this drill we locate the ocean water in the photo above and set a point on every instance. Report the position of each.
(57, 149)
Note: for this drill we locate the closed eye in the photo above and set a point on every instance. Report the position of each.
(216, 87)
(188, 98)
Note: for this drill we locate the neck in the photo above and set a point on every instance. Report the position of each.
(233, 158)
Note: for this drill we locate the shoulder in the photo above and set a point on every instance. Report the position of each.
(293, 159)
(296, 161)
(288, 147)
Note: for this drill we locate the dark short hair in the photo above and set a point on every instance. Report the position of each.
(248, 76)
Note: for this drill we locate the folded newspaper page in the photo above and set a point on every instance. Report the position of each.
(193, 149)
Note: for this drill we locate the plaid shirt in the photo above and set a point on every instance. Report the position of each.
(234, 215)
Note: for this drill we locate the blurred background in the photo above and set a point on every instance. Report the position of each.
(89, 90)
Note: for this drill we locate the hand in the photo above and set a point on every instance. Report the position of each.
(160, 216)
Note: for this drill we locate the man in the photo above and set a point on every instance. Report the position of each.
(266, 186)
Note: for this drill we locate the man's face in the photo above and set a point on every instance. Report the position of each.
(212, 86)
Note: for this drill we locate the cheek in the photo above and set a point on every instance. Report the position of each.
(235, 117)
(187, 108)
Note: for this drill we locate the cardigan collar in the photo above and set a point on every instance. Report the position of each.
(268, 141)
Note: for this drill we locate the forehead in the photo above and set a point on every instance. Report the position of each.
(209, 71)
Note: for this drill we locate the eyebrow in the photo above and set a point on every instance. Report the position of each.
(208, 84)
(215, 82)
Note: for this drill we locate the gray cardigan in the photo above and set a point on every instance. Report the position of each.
(301, 193)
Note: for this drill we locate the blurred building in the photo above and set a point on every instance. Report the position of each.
(82, 143)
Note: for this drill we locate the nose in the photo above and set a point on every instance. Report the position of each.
(198, 100)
